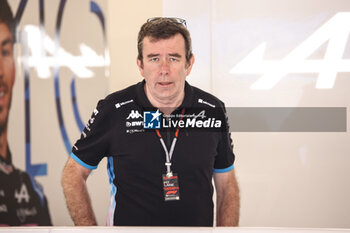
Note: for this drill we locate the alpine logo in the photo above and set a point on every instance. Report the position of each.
(335, 32)
(22, 194)
(134, 114)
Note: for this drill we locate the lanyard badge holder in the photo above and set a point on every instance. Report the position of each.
(170, 180)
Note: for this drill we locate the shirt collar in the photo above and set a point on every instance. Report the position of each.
(146, 105)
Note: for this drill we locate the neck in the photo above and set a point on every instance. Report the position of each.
(3, 144)
(166, 105)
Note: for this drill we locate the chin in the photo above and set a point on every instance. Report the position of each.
(167, 95)
(3, 118)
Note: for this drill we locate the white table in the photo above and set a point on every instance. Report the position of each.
(166, 230)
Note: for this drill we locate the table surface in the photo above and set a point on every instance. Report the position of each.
(167, 230)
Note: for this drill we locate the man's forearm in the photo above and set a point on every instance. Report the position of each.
(227, 211)
(77, 198)
(227, 200)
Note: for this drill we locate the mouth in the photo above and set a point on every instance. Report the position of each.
(3, 90)
(165, 84)
(3, 93)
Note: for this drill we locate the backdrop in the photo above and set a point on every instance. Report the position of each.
(268, 55)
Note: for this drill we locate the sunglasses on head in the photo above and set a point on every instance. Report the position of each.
(174, 20)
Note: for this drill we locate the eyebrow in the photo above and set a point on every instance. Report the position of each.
(171, 55)
(175, 55)
(152, 55)
(7, 41)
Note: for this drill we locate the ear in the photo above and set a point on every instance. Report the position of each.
(140, 65)
(189, 65)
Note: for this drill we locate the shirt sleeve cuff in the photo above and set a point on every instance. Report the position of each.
(222, 170)
(82, 163)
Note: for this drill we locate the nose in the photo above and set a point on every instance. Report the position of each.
(164, 67)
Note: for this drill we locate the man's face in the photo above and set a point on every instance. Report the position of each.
(7, 74)
(164, 67)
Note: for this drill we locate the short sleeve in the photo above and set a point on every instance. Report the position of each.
(225, 158)
(93, 144)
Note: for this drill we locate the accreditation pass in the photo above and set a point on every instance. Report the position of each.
(171, 187)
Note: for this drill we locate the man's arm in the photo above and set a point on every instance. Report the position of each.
(74, 187)
(227, 199)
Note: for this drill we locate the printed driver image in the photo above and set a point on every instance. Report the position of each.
(22, 201)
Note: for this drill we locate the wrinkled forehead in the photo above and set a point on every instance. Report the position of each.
(154, 39)
(175, 42)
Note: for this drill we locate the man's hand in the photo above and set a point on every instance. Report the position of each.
(74, 187)
(227, 201)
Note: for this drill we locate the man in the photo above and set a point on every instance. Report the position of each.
(159, 177)
(22, 201)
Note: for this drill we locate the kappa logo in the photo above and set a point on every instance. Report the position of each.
(134, 114)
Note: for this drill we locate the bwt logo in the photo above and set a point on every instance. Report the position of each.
(151, 120)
